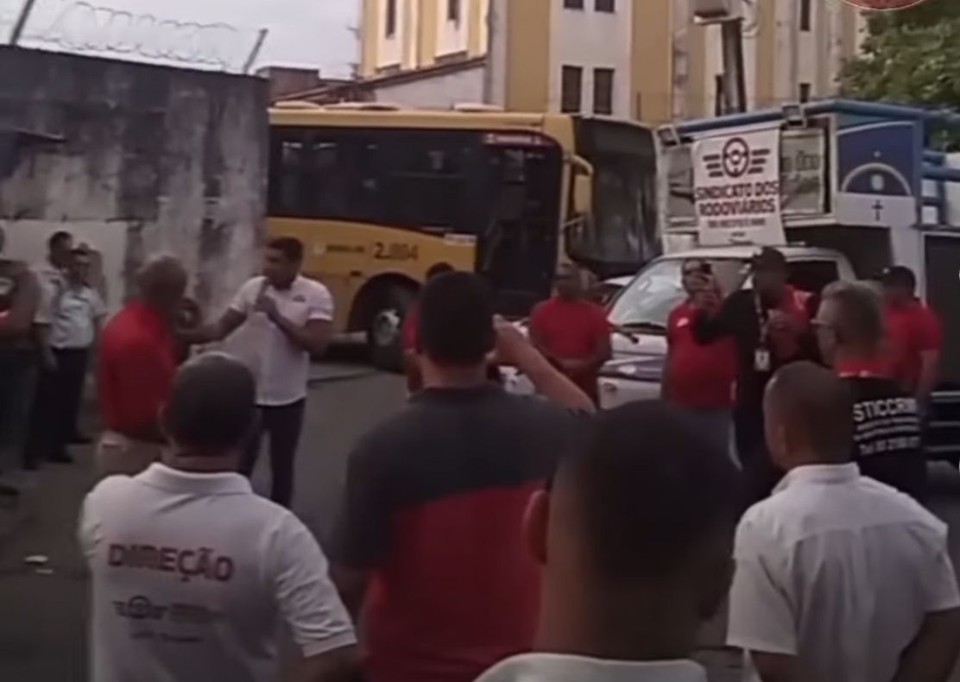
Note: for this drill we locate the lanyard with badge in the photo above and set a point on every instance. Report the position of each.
(761, 355)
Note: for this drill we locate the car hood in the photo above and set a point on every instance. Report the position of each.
(639, 367)
(638, 344)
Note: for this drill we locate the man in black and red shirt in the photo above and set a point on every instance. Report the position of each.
(770, 325)
(429, 546)
(699, 378)
(886, 419)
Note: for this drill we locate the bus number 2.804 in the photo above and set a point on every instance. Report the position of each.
(383, 251)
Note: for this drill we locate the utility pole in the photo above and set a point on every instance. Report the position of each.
(489, 61)
(729, 16)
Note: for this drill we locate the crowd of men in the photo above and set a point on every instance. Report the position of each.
(494, 537)
(50, 317)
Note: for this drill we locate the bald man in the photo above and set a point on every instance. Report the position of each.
(572, 331)
(219, 567)
(635, 541)
(139, 354)
(838, 577)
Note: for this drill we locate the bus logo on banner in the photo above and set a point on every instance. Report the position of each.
(737, 188)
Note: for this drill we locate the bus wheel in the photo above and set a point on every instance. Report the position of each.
(384, 330)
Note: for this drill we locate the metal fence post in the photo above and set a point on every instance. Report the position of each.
(22, 19)
(255, 52)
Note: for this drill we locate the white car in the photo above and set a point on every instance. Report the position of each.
(640, 310)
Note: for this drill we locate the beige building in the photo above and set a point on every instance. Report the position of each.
(629, 58)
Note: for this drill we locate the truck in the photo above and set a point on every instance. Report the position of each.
(844, 188)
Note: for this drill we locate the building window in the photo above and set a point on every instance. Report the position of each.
(390, 28)
(606, 6)
(806, 15)
(573, 4)
(453, 11)
(805, 91)
(571, 96)
(603, 91)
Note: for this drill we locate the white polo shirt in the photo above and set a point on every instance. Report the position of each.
(282, 369)
(52, 283)
(840, 571)
(565, 668)
(192, 576)
(75, 318)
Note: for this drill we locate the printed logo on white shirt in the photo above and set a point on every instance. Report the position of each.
(282, 369)
(192, 575)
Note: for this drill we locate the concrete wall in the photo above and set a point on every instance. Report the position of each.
(149, 159)
(442, 91)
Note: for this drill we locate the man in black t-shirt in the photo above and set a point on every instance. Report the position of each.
(770, 325)
(887, 435)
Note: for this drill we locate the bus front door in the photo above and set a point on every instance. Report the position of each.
(518, 246)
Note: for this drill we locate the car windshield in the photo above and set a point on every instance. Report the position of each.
(647, 302)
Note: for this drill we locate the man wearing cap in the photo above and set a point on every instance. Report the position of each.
(914, 334)
(770, 325)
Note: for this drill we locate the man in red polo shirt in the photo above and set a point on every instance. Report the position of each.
(700, 378)
(913, 333)
(139, 354)
(573, 332)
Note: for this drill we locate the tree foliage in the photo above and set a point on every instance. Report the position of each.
(909, 57)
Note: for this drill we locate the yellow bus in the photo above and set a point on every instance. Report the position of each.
(379, 194)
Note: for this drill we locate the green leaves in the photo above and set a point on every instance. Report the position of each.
(910, 57)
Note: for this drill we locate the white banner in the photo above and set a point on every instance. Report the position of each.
(736, 188)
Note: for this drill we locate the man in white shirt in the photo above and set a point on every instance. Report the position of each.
(635, 540)
(193, 574)
(76, 318)
(839, 578)
(289, 318)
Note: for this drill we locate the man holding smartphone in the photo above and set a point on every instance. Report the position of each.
(700, 378)
(770, 327)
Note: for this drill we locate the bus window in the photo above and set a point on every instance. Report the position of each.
(623, 234)
(425, 177)
(286, 176)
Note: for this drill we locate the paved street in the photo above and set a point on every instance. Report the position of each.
(43, 624)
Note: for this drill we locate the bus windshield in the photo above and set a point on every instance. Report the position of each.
(622, 234)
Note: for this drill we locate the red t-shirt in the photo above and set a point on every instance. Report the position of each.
(138, 361)
(571, 330)
(912, 330)
(408, 334)
(698, 375)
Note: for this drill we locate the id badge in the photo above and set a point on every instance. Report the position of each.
(761, 360)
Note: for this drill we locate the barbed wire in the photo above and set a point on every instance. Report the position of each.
(80, 26)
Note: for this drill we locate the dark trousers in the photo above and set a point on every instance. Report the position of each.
(53, 420)
(17, 385)
(760, 475)
(282, 425)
